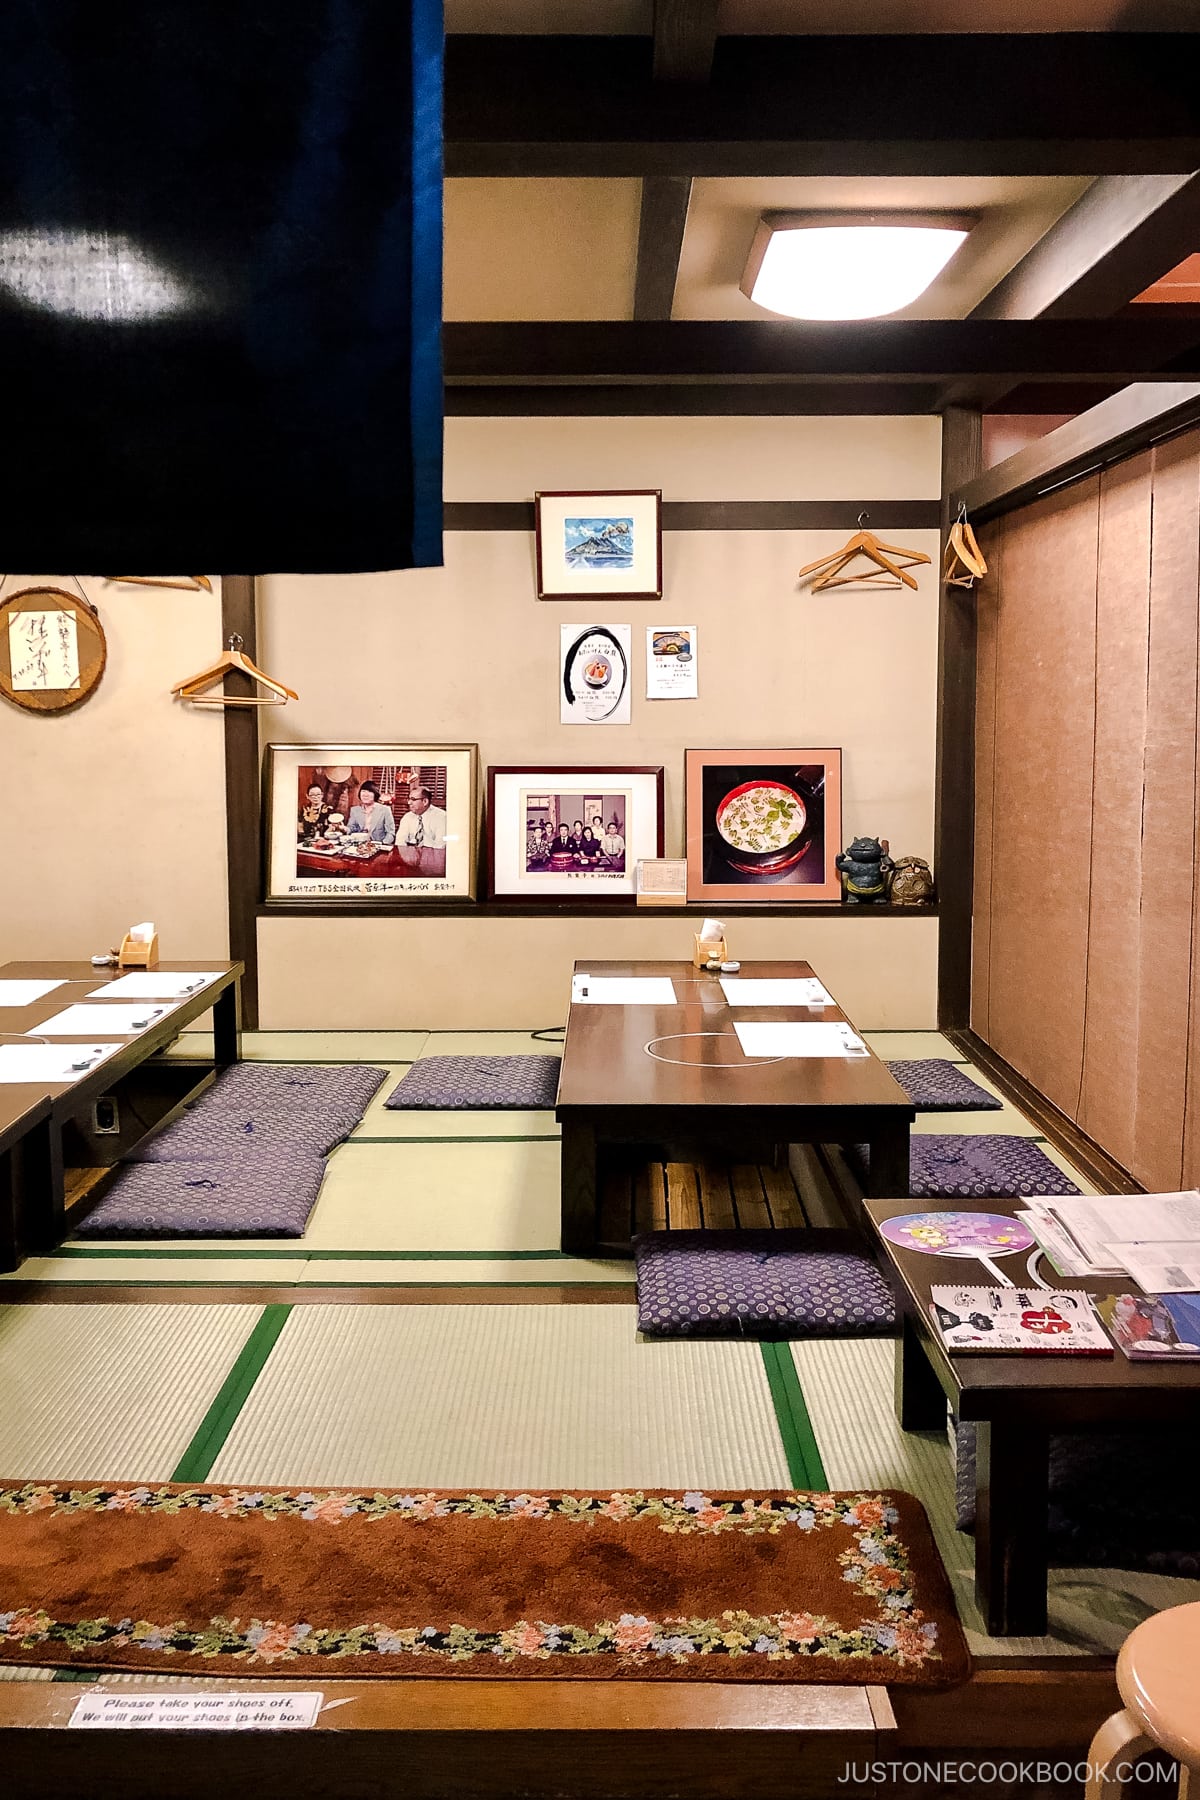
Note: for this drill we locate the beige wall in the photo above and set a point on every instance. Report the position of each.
(117, 810)
(467, 653)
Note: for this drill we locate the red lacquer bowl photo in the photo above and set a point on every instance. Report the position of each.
(763, 827)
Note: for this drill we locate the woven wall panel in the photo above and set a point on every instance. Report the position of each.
(988, 602)
(1108, 1100)
(1168, 814)
(1042, 808)
(1087, 901)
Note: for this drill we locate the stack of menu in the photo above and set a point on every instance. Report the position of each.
(1153, 1237)
(1031, 1321)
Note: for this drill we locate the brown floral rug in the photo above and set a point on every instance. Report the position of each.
(648, 1586)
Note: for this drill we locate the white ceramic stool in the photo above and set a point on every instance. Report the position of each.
(1158, 1677)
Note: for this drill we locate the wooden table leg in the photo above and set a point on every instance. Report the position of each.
(578, 1188)
(888, 1174)
(42, 1190)
(1012, 1497)
(227, 1026)
(10, 1211)
(920, 1402)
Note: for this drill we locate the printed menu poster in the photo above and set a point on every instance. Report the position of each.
(594, 683)
(671, 667)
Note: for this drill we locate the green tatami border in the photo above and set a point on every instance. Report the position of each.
(805, 1467)
(200, 1455)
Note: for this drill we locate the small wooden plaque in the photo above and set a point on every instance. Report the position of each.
(89, 648)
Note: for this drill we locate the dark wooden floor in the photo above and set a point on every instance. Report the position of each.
(688, 1196)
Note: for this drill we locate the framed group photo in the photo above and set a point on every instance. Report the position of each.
(763, 825)
(601, 545)
(554, 831)
(374, 821)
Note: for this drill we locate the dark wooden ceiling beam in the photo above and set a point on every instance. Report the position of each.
(917, 350)
(779, 399)
(1075, 103)
(685, 36)
(1119, 236)
(661, 226)
(1140, 415)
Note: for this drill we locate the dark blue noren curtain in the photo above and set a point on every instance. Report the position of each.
(220, 285)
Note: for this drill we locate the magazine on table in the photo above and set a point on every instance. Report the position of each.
(1154, 1327)
(1080, 1232)
(1028, 1321)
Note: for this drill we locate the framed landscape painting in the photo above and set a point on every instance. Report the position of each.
(600, 545)
(555, 832)
(371, 821)
(763, 825)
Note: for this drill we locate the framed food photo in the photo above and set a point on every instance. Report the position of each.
(380, 822)
(554, 832)
(763, 825)
(606, 544)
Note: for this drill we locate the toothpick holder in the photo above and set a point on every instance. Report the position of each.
(137, 955)
(703, 954)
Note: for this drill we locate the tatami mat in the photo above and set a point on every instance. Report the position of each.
(110, 1392)
(379, 1122)
(1064, 1163)
(912, 1044)
(310, 1046)
(505, 1397)
(163, 1264)
(464, 1196)
(473, 1271)
(489, 1043)
(1008, 1121)
(847, 1387)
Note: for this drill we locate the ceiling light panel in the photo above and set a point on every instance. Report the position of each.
(848, 266)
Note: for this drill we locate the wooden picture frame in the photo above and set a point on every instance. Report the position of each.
(338, 844)
(528, 862)
(48, 665)
(598, 544)
(739, 810)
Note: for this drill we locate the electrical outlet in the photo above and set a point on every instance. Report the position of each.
(106, 1117)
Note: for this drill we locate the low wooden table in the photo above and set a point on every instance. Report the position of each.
(697, 1089)
(52, 1160)
(1015, 1403)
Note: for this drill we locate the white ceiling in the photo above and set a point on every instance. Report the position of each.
(832, 17)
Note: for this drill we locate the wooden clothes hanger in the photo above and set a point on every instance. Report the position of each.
(192, 584)
(964, 562)
(892, 561)
(234, 659)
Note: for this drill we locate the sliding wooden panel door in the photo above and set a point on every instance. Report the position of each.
(1087, 890)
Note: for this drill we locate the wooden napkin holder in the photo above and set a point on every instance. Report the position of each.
(137, 955)
(703, 954)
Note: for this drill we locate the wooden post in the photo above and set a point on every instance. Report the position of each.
(243, 794)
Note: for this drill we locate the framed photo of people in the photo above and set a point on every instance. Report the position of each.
(371, 821)
(555, 832)
(763, 825)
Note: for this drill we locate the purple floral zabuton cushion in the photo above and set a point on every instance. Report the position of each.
(1091, 1523)
(937, 1086)
(969, 1167)
(259, 1195)
(275, 1106)
(756, 1284)
(477, 1083)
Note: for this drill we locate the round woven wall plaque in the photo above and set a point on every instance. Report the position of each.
(52, 650)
